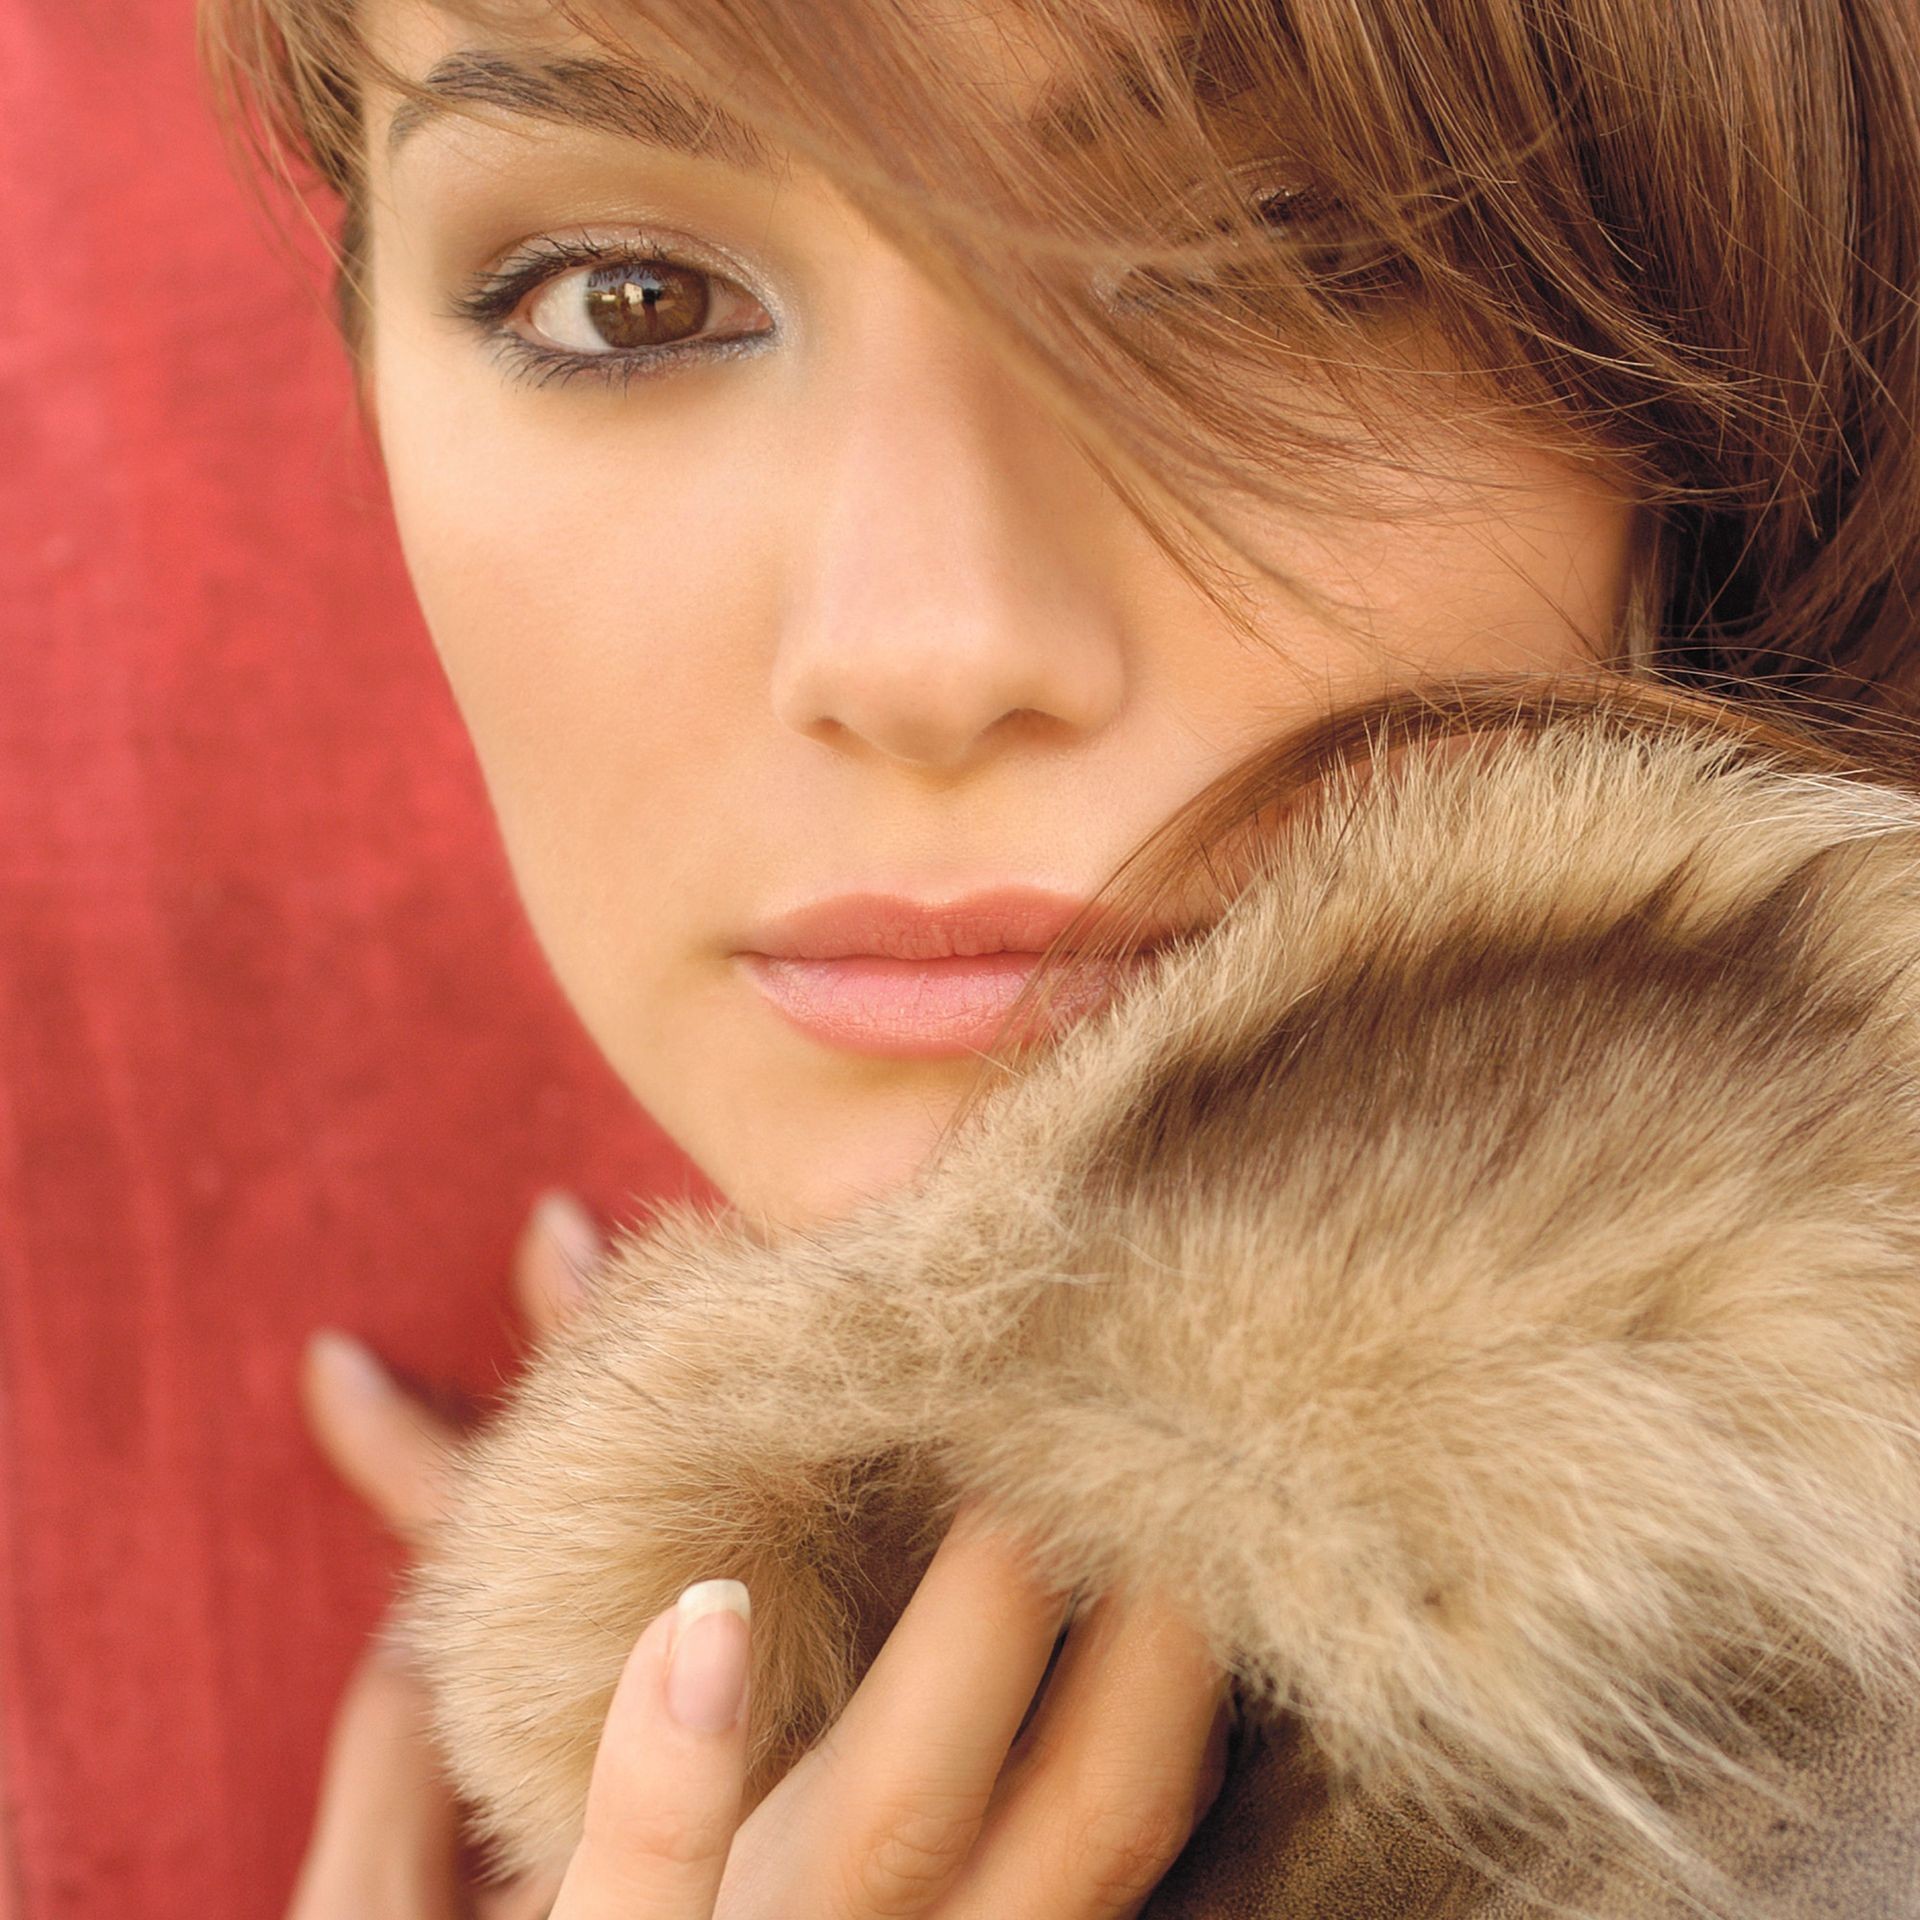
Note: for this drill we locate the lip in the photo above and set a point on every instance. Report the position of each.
(890, 926)
(883, 974)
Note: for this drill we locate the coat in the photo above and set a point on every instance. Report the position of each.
(1478, 1280)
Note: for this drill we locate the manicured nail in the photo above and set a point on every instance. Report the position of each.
(570, 1227)
(707, 1662)
(349, 1364)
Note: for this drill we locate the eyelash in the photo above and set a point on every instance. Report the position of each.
(489, 302)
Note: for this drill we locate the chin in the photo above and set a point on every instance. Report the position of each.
(809, 1161)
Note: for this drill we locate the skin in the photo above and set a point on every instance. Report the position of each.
(846, 612)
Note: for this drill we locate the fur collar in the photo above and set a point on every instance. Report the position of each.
(1478, 1280)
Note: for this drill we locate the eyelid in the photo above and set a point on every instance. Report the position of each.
(1272, 168)
(1290, 181)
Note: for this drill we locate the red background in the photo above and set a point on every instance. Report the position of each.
(276, 1047)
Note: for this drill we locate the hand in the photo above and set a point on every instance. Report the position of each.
(386, 1837)
(912, 1803)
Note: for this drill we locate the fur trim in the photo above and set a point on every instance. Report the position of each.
(1477, 1281)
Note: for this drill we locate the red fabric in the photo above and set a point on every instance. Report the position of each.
(276, 1048)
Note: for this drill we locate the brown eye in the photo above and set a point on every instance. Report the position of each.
(1286, 206)
(1338, 257)
(647, 304)
(1315, 226)
(1280, 203)
(637, 306)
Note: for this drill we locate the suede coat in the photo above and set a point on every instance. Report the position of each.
(1478, 1280)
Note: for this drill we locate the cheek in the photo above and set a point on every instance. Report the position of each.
(1525, 572)
(597, 582)
(1534, 580)
(1496, 559)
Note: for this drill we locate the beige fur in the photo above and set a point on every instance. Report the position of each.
(1480, 1280)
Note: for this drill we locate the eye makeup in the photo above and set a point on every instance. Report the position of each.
(599, 306)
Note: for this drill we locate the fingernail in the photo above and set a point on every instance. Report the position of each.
(349, 1364)
(570, 1227)
(707, 1662)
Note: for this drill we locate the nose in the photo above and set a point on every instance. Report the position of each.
(944, 598)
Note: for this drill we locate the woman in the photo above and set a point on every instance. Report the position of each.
(917, 451)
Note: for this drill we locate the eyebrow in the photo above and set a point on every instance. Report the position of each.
(634, 103)
(650, 105)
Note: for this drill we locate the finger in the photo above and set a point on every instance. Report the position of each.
(1087, 1662)
(558, 1249)
(911, 1761)
(386, 1833)
(393, 1451)
(1124, 1754)
(663, 1803)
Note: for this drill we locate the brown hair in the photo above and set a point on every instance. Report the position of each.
(1676, 239)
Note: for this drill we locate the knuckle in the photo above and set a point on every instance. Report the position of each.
(1119, 1852)
(907, 1852)
(638, 1836)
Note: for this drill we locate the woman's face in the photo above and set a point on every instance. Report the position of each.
(827, 605)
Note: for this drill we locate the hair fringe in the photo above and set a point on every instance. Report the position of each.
(1506, 192)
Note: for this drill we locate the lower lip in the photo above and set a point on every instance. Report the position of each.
(927, 1009)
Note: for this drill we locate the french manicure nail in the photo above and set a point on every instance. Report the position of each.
(707, 1663)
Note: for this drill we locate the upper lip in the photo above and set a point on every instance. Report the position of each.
(1017, 919)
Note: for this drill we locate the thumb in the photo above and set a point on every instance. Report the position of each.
(664, 1802)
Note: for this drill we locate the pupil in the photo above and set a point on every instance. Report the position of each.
(646, 305)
